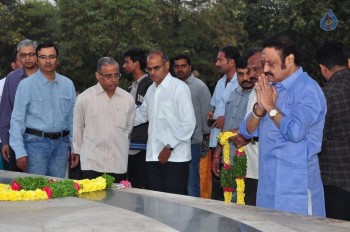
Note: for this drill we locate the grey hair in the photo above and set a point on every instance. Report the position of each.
(164, 56)
(27, 42)
(104, 61)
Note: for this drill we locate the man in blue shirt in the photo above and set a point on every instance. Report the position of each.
(288, 119)
(27, 56)
(41, 122)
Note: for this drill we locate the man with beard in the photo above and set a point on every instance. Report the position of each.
(200, 96)
(168, 108)
(135, 64)
(251, 149)
(288, 118)
(27, 56)
(226, 65)
(103, 119)
(42, 117)
(235, 110)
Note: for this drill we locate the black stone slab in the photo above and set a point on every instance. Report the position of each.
(180, 217)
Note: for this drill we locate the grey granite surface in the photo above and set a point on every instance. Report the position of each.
(142, 210)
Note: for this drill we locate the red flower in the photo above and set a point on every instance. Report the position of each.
(15, 186)
(229, 189)
(48, 191)
(238, 153)
(76, 186)
(227, 166)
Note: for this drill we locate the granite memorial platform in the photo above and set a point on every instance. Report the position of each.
(132, 209)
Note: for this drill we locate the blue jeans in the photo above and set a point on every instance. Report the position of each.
(193, 188)
(45, 156)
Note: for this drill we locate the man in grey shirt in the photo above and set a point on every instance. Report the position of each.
(201, 96)
(235, 111)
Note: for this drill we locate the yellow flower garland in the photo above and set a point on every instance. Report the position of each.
(7, 194)
(223, 140)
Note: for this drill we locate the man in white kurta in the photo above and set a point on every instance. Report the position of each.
(103, 119)
(168, 107)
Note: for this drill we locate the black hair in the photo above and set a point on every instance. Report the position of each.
(230, 52)
(13, 57)
(286, 46)
(241, 62)
(332, 53)
(185, 57)
(46, 45)
(137, 54)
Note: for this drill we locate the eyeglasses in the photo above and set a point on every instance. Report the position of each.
(44, 57)
(155, 68)
(110, 76)
(25, 55)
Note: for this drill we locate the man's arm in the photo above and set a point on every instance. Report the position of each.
(204, 99)
(17, 124)
(5, 113)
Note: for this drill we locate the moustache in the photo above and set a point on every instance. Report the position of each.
(269, 74)
(245, 82)
(253, 79)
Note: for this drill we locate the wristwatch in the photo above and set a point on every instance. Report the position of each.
(169, 147)
(273, 113)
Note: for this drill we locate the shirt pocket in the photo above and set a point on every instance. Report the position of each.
(121, 120)
(39, 106)
(64, 103)
(168, 115)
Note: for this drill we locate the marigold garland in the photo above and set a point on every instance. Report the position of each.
(232, 176)
(40, 188)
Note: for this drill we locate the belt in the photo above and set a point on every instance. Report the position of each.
(54, 135)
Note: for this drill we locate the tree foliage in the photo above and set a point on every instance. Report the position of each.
(88, 29)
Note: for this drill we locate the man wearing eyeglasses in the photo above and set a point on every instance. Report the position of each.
(168, 108)
(27, 58)
(103, 120)
(42, 117)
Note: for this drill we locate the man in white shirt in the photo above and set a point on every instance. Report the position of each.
(103, 119)
(168, 108)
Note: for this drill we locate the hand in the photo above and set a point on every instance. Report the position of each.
(239, 141)
(164, 155)
(267, 95)
(216, 165)
(22, 163)
(5, 151)
(219, 123)
(210, 115)
(74, 160)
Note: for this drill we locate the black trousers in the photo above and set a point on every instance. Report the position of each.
(337, 202)
(170, 177)
(90, 174)
(251, 187)
(137, 170)
(11, 165)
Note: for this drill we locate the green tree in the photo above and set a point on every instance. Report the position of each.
(19, 20)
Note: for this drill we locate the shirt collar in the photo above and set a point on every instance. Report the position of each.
(44, 80)
(190, 79)
(288, 82)
(141, 78)
(100, 90)
(166, 81)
